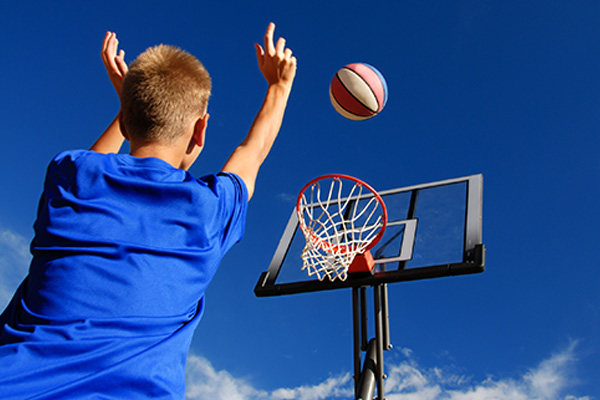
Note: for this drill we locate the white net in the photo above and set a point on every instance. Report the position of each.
(338, 222)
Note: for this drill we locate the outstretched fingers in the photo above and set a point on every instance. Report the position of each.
(105, 45)
(269, 46)
(288, 54)
(109, 47)
(280, 48)
(276, 62)
(114, 60)
(260, 53)
(121, 64)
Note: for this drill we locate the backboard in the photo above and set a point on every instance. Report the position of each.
(433, 230)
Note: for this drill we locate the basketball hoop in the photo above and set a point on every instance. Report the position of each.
(342, 218)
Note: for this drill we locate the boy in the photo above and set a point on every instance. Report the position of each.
(126, 245)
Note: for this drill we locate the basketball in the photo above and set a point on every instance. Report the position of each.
(358, 91)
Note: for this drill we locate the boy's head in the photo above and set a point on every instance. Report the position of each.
(164, 90)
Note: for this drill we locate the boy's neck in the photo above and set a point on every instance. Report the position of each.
(182, 152)
(168, 154)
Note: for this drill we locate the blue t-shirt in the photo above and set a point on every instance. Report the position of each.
(124, 249)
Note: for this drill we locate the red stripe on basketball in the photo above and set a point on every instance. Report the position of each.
(347, 101)
(372, 79)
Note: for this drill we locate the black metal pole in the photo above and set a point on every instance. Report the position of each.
(379, 341)
(387, 345)
(363, 318)
(356, 330)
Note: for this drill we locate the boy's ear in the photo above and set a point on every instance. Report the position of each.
(200, 130)
(122, 127)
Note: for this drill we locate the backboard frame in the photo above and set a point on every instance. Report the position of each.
(473, 258)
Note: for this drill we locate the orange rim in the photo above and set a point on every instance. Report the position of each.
(325, 245)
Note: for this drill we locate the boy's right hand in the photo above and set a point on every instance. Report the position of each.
(276, 61)
(114, 62)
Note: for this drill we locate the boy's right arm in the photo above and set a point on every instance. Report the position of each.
(114, 61)
(278, 66)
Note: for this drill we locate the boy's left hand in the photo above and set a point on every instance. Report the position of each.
(114, 62)
(276, 61)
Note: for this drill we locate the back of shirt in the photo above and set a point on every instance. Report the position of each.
(124, 249)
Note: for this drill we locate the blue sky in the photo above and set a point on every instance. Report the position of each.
(504, 88)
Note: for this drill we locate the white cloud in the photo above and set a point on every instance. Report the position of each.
(287, 198)
(552, 375)
(550, 380)
(14, 262)
(333, 387)
(204, 383)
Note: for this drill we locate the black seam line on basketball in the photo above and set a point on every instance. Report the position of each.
(351, 94)
(370, 89)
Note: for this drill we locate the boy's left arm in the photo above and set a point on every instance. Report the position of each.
(112, 138)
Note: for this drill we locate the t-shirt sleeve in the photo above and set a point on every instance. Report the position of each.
(233, 196)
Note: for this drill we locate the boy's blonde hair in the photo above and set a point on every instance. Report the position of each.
(164, 89)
